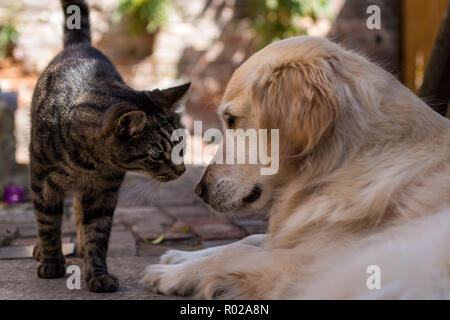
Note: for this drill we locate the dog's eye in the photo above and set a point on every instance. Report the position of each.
(230, 120)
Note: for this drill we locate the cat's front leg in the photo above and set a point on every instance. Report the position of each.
(98, 209)
(48, 208)
(78, 213)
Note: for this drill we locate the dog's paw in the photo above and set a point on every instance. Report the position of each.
(103, 283)
(176, 257)
(168, 279)
(226, 286)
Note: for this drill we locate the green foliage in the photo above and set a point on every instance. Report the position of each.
(278, 19)
(8, 37)
(145, 15)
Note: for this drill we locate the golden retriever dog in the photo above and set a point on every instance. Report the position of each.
(363, 186)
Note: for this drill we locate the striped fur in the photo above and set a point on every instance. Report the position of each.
(88, 129)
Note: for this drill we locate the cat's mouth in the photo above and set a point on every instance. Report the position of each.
(165, 178)
(160, 178)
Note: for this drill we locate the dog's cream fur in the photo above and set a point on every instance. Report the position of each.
(364, 180)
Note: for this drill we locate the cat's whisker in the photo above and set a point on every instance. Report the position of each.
(149, 192)
(145, 191)
(141, 193)
(133, 194)
(154, 193)
(131, 191)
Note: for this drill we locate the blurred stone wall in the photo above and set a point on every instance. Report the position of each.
(8, 106)
(380, 46)
(40, 26)
(204, 42)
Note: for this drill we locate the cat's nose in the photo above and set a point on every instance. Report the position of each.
(180, 169)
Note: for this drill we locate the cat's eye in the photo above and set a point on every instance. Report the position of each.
(157, 156)
(229, 120)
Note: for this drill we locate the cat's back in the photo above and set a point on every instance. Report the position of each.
(82, 62)
(70, 76)
(78, 76)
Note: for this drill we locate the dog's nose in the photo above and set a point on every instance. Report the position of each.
(200, 190)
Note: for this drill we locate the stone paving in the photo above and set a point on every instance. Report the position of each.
(150, 218)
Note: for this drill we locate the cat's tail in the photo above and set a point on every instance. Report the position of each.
(76, 22)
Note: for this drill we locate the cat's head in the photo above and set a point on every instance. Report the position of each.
(138, 136)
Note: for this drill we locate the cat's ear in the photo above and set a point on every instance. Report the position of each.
(175, 94)
(131, 123)
(124, 120)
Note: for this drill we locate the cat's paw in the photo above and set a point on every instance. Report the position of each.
(103, 283)
(51, 270)
(169, 279)
(37, 252)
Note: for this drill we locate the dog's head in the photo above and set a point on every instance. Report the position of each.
(295, 86)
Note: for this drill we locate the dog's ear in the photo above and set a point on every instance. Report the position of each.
(298, 99)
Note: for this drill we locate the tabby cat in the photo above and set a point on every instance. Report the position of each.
(88, 129)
